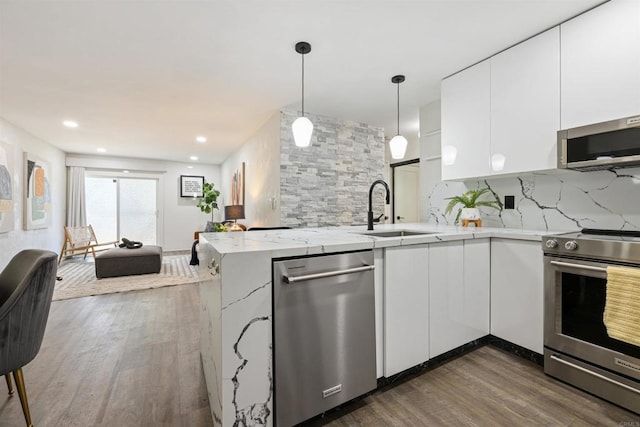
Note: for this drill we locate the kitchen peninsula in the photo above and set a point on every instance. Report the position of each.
(236, 301)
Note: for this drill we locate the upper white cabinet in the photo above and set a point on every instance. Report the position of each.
(406, 305)
(517, 292)
(600, 78)
(525, 105)
(502, 115)
(466, 133)
(458, 293)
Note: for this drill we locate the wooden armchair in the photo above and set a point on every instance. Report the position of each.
(81, 240)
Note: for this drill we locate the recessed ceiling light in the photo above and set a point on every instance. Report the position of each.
(194, 158)
(101, 150)
(125, 171)
(189, 167)
(70, 124)
(201, 139)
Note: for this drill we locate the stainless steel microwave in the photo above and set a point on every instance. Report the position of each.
(605, 145)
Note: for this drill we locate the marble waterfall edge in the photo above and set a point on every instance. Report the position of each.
(244, 385)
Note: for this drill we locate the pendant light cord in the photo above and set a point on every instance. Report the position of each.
(302, 85)
(398, 122)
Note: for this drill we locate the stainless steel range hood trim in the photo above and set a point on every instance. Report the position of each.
(626, 161)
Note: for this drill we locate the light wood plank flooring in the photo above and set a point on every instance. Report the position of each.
(132, 360)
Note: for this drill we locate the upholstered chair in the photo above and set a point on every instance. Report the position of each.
(26, 289)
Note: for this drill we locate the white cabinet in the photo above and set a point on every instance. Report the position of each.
(525, 104)
(600, 78)
(378, 279)
(406, 318)
(466, 102)
(508, 107)
(458, 293)
(517, 292)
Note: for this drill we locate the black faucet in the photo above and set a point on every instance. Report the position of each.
(370, 213)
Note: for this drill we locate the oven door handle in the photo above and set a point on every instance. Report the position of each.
(584, 267)
(595, 374)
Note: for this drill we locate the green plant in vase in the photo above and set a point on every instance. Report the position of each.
(470, 204)
(208, 203)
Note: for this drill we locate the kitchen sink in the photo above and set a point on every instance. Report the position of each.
(396, 233)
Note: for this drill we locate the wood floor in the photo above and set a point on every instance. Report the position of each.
(132, 360)
(486, 387)
(129, 359)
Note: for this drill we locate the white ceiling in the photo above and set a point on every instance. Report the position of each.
(143, 78)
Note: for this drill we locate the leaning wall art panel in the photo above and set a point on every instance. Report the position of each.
(37, 195)
(6, 188)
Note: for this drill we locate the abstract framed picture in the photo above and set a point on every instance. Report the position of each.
(191, 186)
(6, 188)
(237, 186)
(37, 210)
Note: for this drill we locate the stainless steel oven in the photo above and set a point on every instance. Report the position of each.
(577, 348)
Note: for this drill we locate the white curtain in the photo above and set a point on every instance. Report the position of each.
(76, 200)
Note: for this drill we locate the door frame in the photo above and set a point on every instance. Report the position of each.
(393, 184)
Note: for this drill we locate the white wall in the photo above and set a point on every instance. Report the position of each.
(178, 217)
(46, 238)
(261, 154)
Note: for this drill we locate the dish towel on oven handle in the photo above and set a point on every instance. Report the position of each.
(622, 304)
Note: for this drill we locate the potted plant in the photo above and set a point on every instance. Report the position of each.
(208, 203)
(470, 204)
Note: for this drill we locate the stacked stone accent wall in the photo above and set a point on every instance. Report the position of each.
(327, 183)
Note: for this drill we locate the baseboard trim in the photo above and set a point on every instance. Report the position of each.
(433, 363)
(517, 350)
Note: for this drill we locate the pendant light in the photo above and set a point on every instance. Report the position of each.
(302, 127)
(398, 145)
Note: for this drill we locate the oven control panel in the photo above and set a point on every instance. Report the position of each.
(597, 247)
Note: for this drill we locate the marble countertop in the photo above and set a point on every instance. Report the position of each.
(311, 241)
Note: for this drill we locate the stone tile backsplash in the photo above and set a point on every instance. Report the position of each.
(327, 183)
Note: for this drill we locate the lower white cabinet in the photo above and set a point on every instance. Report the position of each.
(458, 293)
(406, 304)
(517, 292)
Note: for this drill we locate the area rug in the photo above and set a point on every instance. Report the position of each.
(79, 278)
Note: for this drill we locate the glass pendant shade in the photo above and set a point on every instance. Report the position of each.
(302, 129)
(398, 147)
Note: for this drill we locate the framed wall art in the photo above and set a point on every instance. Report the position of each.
(237, 186)
(37, 210)
(191, 186)
(6, 187)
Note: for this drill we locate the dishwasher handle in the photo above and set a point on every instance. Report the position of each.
(295, 279)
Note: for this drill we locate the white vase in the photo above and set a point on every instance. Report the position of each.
(470, 213)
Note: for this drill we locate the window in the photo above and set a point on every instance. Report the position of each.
(120, 207)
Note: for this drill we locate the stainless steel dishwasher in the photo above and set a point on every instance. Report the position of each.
(324, 333)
